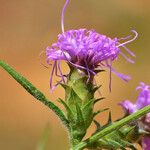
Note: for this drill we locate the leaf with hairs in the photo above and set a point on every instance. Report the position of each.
(34, 92)
(69, 111)
(100, 111)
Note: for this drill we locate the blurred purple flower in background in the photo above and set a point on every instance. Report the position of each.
(142, 100)
(146, 143)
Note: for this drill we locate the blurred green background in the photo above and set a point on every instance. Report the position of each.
(28, 27)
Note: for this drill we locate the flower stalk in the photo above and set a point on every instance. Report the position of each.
(79, 102)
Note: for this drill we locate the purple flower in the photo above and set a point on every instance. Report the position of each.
(143, 100)
(87, 50)
(146, 143)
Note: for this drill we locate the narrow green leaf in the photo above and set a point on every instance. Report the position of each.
(125, 143)
(69, 111)
(109, 118)
(124, 131)
(65, 86)
(98, 126)
(80, 118)
(72, 99)
(34, 91)
(98, 71)
(99, 99)
(96, 88)
(99, 111)
(87, 112)
(115, 144)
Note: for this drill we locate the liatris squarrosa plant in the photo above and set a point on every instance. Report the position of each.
(87, 54)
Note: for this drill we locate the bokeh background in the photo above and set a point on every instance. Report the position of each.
(27, 27)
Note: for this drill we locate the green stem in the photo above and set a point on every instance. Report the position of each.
(35, 92)
(113, 127)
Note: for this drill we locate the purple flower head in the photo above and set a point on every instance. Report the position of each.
(87, 50)
(143, 100)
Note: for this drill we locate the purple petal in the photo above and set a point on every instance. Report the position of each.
(147, 119)
(128, 106)
(135, 37)
(122, 76)
(144, 96)
(57, 55)
(146, 143)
